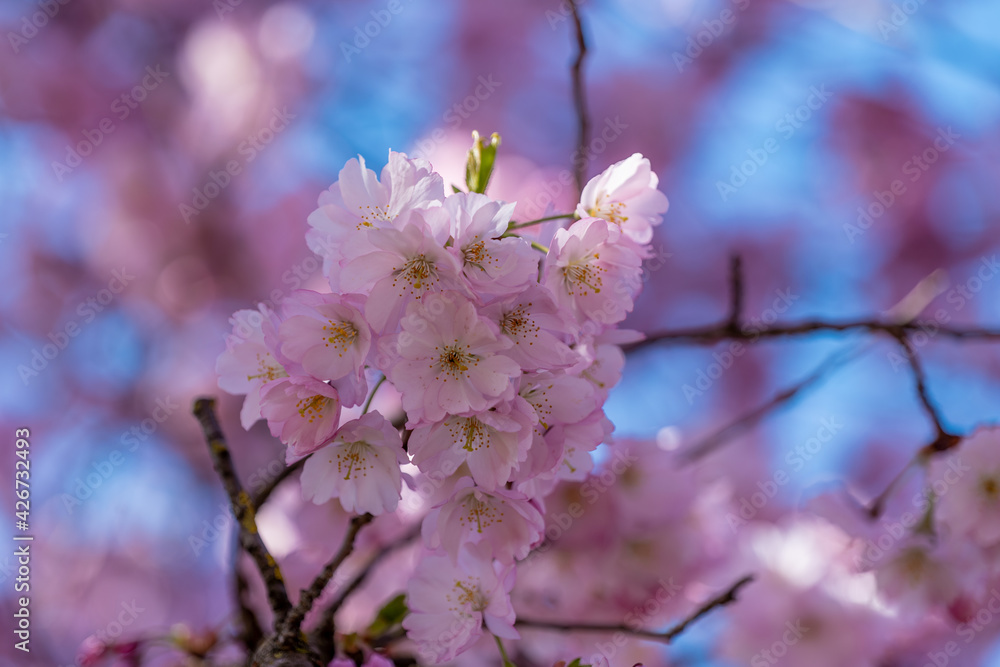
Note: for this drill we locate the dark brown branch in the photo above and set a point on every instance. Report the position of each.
(735, 293)
(724, 598)
(266, 492)
(250, 632)
(580, 159)
(751, 418)
(920, 378)
(322, 634)
(713, 334)
(291, 625)
(243, 508)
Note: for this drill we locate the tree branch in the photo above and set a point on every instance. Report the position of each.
(292, 623)
(266, 492)
(243, 508)
(723, 435)
(580, 101)
(724, 598)
(713, 334)
(735, 293)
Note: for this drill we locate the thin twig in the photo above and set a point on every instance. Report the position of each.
(531, 223)
(580, 101)
(243, 508)
(735, 293)
(266, 492)
(322, 634)
(724, 598)
(715, 333)
(250, 632)
(723, 435)
(292, 623)
(920, 378)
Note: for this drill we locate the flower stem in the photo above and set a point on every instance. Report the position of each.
(503, 653)
(522, 225)
(371, 396)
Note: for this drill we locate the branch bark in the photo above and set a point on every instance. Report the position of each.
(722, 599)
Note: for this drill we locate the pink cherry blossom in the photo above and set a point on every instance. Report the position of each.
(492, 265)
(448, 360)
(360, 467)
(358, 201)
(591, 272)
(531, 320)
(491, 442)
(970, 478)
(405, 265)
(625, 194)
(922, 572)
(302, 412)
(558, 398)
(503, 520)
(450, 602)
(325, 333)
(248, 363)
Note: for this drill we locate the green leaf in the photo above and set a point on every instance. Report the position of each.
(576, 663)
(389, 616)
(481, 159)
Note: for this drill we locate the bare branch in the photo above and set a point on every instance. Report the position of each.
(292, 623)
(735, 293)
(580, 100)
(714, 334)
(266, 492)
(751, 418)
(243, 508)
(724, 598)
(322, 634)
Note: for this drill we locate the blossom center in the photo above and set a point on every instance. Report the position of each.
(516, 323)
(313, 407)
(468, 596)
(480, 512)
(370, 214)
(455, 360)
(613, 212)
(583, 277)
(340, 334)
(352, 459)
(417, 271)
(990, 487)
(267, 369)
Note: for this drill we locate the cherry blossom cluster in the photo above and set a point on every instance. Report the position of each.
(501, 341)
